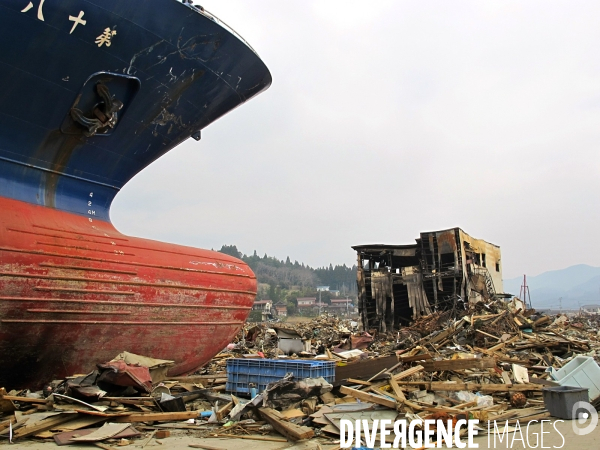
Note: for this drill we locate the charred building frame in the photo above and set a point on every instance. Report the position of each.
(443, 270)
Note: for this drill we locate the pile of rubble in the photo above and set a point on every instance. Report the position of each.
(491, 362)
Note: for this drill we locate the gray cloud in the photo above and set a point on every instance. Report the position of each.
(389, 118)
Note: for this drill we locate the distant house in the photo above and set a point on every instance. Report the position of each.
(592, 309)
(341, 306)
(307, 302)
(341, 301)
(281, 309)
(262, 305)
(335, 292)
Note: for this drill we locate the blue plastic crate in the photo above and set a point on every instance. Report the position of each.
(260, 372)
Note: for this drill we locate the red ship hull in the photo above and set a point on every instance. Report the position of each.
(75, 292)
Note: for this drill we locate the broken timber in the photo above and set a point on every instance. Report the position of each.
(443, 386)
(221, 413)
(459, 364)
(363, 396)
(44, 425)
(157, 417)
(287, 429)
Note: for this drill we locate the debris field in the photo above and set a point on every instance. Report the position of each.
(286, 383)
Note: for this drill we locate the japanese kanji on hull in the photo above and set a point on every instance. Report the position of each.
(93, 92)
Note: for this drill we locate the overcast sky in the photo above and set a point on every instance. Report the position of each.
(388, 118)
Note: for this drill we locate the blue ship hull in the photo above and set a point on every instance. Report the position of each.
(174, 68)
(91, 92)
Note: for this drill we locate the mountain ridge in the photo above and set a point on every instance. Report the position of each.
(571, 287)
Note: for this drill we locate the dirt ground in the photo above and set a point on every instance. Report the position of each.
(556, 435)
(566, 439)
(181, 442)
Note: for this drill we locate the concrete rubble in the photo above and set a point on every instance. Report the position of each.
(491, 361)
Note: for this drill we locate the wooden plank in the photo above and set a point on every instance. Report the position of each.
(327, 397)
(353, 381)
(489, 388)
(408, 373)
(484, 317)
(406, 402)
(64, 438)
(287, 429)
(377, 374)
(542, 320)
(496, 347)
(102, 414)
(572, 341)
(43, 425)
(543, 382)
(157, 417)
(5, 405)
(6, 423)
(459, 364)
(448, 332)
(149, 438)
(366, 397)
(15, 398)
(384, 394)
(340, 356)
(144, 401)
(395, 366)
(413, 358)
(198, 378)
(331, 356)
(399, 376)
(454, 387)
(292, 413)
(224, 411)
(206, 447)
(363, 369)
(488, 334)
(520, 362)
(397, 390)
(252, 437)
(213, 396)
(80, 422)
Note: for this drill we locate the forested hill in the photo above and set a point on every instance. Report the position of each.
(294, 275)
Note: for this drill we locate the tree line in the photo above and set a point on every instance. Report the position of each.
(284, 280)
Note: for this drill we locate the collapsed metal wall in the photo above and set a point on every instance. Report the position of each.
(400, 283)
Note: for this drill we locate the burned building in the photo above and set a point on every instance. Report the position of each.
(443, 270)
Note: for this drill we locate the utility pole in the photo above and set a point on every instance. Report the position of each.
(320, 302)
(524, 292)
